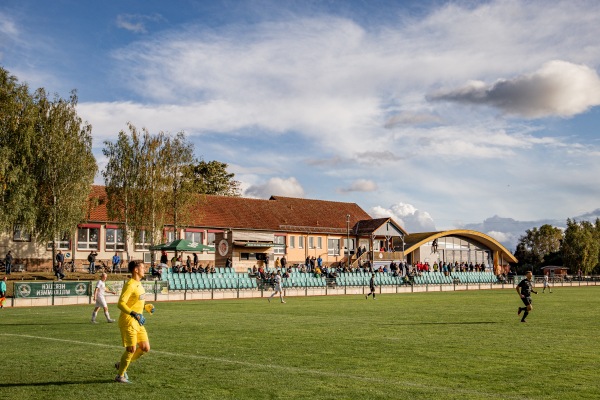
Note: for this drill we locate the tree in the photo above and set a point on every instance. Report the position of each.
(17, 180)
(581, 246)
(538, 245)
(212, 178)
(65, 166)
(178, 155)
(136, 183)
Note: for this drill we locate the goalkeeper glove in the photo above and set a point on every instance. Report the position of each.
(149, 308)
(138, 317)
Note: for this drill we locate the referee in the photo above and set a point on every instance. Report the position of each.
(524, 289)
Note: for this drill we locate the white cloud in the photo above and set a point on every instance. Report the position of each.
(409, 217)
(559, 88)
(289, 187)
(360, 185)
(136, 22)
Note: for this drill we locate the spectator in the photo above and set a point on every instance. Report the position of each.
(188, 264)
(58, 269)
(163, 257)
(195, 260)
(116, 261)
(92, 260)
(8, 262)
(277, 264)
(228, 263)
(2, 292)
(283, 262)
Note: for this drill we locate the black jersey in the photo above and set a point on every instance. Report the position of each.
(526, 287)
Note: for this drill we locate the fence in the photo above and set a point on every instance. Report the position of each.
(238, 286)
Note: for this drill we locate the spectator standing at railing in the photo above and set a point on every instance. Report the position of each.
(92, 260)
(116, 260)
(2, 292)
(8, 262)
(283, 262)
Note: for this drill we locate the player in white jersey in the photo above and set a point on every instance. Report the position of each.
(546, 284)
(100, 300)
(277, 288)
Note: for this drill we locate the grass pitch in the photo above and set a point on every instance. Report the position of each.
(451, 345)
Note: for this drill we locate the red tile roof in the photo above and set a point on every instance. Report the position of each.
(279, 213)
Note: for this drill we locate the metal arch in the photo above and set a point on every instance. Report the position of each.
(490, 242)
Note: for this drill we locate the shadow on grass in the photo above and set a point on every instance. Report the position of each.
(57, 383)
(47, 323)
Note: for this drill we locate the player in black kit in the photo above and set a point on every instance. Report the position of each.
(524, 288)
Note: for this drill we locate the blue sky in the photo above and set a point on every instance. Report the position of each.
(440, 114)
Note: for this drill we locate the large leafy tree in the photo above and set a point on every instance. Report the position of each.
(212, 178)
(581, 245)
(136, 184)
(46, 163)
(65, 166)
(18, 186)
(538, 245)
(178, 155)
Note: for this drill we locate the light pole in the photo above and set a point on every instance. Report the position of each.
(348, 239)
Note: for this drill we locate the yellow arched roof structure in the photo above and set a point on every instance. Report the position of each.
(415, 240)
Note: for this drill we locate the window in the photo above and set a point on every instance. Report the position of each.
(169, 236)
(319, 242)
(19, 235)
(311, 242)
(300, 242)
(292, 242)
(333, 247)
(142, 241)
(194, 237)
(114, 239)
(87, 238)
(279, 247)
(62, 243)
(210, 240)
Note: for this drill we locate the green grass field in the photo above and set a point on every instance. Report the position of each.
(454, 345)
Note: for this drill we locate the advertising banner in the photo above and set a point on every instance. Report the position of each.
(50, 289)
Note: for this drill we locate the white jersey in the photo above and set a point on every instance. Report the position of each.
(278, 283)
(100, 300)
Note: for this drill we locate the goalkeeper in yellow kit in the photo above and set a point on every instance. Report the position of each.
(131, 320)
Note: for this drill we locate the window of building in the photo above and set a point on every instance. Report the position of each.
(333, 247)
(114, 239)
(169, 236)
(279, 240)
(194, 237)
(142, 241)
(292, 241)
(319, 242)
(300, 242)
(19, 235)
(311, 242)
(62, 243)
(87, 238)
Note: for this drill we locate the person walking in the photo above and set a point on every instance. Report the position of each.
(100, 300)
(8, 262)
(131, 321)
(60, 262)
(371, 287)
(277, 288)
(524, 289)
(546, 284)
(2, 292)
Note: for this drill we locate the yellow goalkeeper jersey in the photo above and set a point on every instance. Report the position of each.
(131, 299)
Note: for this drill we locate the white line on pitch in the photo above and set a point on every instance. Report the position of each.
(280, 368)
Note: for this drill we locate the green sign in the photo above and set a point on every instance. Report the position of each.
(51, 289)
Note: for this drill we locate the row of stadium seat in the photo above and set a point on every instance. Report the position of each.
(298, 279)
